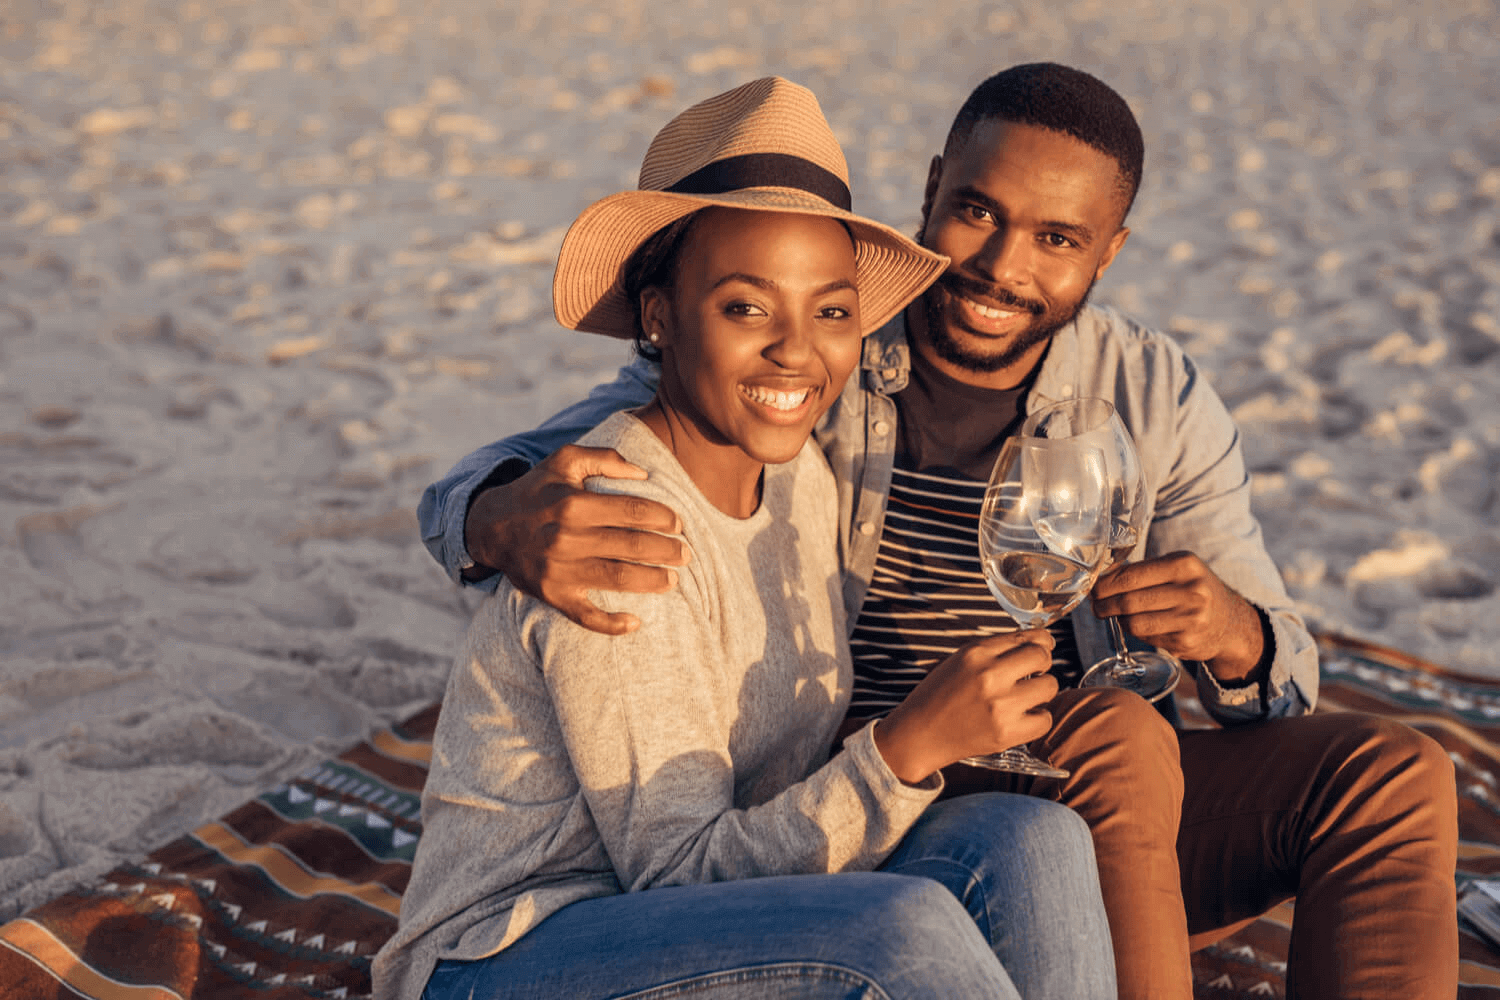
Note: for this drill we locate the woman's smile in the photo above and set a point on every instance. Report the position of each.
(784, 404)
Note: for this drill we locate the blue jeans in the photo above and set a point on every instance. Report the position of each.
(988, 895)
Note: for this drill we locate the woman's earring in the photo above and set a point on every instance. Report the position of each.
(655, 337)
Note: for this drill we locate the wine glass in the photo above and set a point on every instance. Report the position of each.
(1153, 674)
(1043, 538)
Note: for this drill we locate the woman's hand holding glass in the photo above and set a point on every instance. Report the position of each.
(991, 693)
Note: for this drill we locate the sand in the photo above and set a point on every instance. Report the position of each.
(267, 269)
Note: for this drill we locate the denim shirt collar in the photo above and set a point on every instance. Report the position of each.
(886, 359)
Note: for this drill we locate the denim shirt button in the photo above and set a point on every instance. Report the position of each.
(888, 373)
(882, 428)
(867, 528)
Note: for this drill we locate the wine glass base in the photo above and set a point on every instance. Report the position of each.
(1017, 760)
(1150, 675)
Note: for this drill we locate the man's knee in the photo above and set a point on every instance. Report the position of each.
(1380, 778)
(1396, 758)
(1107, 733)
(1088, 717)
(1384, 747)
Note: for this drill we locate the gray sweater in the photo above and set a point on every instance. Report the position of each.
(568, 764)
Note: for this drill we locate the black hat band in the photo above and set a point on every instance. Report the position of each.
(766, 170)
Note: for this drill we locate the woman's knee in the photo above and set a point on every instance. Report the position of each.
(1010, 824)
(994, 849)
(912, 905)
(904, 921)
(1025, 871)
(1035, 825)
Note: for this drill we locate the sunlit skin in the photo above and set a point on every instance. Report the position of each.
(1031, 219)
(758, 336)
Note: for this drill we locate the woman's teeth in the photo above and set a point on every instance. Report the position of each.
(776, 400)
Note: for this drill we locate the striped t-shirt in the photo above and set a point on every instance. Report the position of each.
(928, 596)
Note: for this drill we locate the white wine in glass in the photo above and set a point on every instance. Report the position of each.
(1151, 674)
(1036, 586)
(1043, 537)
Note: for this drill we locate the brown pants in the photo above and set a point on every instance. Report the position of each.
(1354, 816)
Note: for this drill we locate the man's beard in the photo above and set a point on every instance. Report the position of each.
(1042, 327)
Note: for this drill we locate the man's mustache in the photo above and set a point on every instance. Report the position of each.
(966, 287)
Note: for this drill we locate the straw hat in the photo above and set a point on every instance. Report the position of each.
(764, 145)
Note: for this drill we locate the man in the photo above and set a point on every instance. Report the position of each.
(1196, 833)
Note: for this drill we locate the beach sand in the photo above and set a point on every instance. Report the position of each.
(267, 269)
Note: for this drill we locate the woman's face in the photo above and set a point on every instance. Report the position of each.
(759, 333)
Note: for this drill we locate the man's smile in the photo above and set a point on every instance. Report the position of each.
(984, 309)
(988, 318)
(989, 312)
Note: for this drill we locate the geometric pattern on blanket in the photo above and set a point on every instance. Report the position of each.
(287, 896)
(290, 895)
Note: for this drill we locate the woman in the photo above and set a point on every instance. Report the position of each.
(689, 758)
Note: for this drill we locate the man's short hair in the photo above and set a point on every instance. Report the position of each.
(1063, 100)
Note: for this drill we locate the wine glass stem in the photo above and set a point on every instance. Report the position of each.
(1117, 639)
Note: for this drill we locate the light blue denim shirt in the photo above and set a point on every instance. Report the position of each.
(1197, 485)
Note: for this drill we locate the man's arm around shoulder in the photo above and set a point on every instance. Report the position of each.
(445, 505)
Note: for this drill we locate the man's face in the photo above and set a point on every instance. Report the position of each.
(1031, 219)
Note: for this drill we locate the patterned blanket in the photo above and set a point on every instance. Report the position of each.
(289, 896)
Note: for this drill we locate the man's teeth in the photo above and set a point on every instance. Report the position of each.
(776, 400)
(988, 312)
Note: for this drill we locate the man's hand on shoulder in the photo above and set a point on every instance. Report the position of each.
(556, 541)
(1176, 603)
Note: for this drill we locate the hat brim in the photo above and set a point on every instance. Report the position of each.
(891, 269)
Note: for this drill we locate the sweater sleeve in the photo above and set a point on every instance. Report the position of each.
(650, 744)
